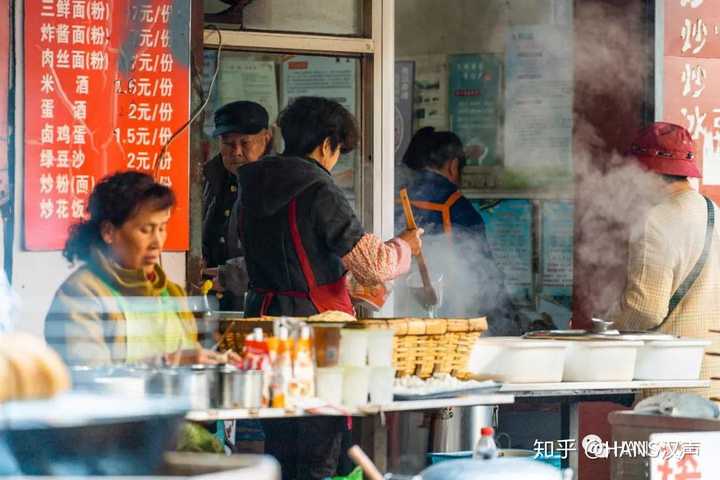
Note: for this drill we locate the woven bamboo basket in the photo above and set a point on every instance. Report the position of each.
(425, 347)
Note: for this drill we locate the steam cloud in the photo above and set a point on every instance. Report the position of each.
(612, 193)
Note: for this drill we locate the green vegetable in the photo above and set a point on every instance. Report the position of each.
(194, 438)
(356, 474)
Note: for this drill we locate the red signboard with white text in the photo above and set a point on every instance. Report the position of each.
(4, 79)
(106, 87)
(691, 80)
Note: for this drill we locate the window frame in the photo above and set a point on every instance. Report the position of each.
(375, 49)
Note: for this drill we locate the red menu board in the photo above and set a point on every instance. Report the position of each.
(691, 80)
(4, 72)
(106, 87)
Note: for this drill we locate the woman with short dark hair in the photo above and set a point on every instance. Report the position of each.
(119, 306)
(301, 237)
(299, 231)
(309, 121)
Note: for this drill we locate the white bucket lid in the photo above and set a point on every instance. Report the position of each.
(537, 344)
(679, 343)
(604, 344)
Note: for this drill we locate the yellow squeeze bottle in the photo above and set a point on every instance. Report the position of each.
(304, 370)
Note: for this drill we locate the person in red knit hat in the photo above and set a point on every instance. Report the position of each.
(673, 282)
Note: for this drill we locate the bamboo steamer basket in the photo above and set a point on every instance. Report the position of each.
(425, 347)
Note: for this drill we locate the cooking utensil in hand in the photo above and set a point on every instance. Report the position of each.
(430, 298)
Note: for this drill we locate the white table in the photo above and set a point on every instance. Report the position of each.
(596, 388)
(365, 410)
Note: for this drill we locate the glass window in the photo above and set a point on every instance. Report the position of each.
(498, 76)
(273, 80)
(336, 17)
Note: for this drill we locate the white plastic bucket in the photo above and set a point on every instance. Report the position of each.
(329, 385)
(380, 348)
(353, 347)
(670, 359)
(518, 360)
(382, 380)
(601, 361)
(356, 381)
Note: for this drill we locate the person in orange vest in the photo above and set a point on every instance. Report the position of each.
(456, 246)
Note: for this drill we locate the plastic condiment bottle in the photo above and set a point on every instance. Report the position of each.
(282, 371)
(304, 370)
(485, 449)
(261, 361)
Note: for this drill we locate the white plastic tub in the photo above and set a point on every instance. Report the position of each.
(601, 361)
(518, 360)
(670, 359)
(353, 348)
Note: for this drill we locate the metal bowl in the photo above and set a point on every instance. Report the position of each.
(84, 434)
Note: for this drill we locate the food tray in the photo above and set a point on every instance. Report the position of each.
(491, 387)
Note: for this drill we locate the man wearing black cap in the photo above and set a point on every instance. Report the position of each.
(244, 137)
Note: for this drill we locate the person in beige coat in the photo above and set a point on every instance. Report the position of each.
(673, 282)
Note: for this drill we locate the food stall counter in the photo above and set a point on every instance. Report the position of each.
(562, 389)
(365, 410)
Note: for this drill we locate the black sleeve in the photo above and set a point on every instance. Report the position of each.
(207, 207)
(234, 244)
(335, 220)
(207, 190)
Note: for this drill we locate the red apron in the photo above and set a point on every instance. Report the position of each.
(333, 296)
(443, 208)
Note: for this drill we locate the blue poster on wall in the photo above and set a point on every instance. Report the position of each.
(508, 225)
(557, 251)
(474, 102)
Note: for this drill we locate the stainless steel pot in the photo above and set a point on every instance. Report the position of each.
(196, 383)
(90, 434)
(209, 386)
(228, 378)
(458, 428)
(203, 385)
(248, 389)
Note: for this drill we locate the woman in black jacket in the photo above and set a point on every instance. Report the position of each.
(301, 237)
(299, 232)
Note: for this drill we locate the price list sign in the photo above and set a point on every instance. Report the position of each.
(106, 88)
(691, 80)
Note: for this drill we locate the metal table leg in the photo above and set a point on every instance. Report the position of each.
(373, 438)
